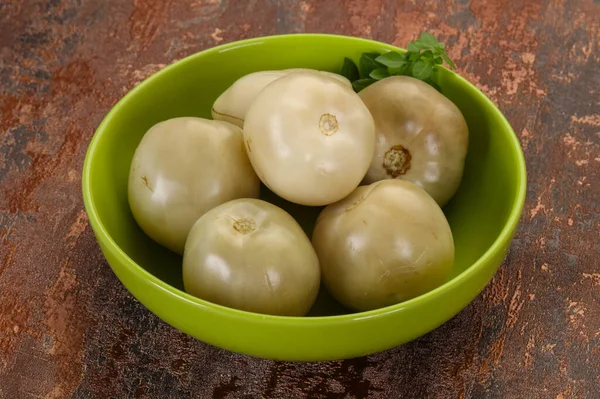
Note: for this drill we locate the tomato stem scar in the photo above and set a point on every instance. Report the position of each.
(328, 124)
(244, 225)
(396, 161)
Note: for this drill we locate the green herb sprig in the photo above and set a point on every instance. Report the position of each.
(420, 61)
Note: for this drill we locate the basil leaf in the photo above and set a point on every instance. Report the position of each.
(413, 56)
(350, 70)
(360, 84)
(380, 73)
(427, 55)
(402, 70)
(428, 39)
(367, 64)
(392, 59)
(448, 60)
(413, 47)
(422, 70)
(420, 45)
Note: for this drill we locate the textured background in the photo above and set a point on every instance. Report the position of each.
(69, 329)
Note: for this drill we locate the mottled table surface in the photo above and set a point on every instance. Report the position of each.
(68, 328)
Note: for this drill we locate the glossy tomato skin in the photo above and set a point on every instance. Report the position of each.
(336, 76)
(182, 168)
(383, 244)
(231, 106)
(310, 138)
(251, 255)
(421, 136)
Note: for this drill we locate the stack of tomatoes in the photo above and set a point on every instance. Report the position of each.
(381, 162)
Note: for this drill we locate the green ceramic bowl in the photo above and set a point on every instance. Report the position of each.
(483, 214)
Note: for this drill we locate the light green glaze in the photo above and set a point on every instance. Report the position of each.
(483, 215)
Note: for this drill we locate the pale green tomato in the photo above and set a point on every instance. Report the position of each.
(310, 138)
(182, 168)
(231, 106)
(251, 255)
(332, 75)
(383, 244)
(421, 136)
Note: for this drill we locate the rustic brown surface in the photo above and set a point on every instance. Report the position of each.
(68, 328)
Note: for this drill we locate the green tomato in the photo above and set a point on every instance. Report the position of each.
(310, 138)
(421, 136)
(231, 106)
(336, 76)
(383, 244)
(251, 255)
(182, 168)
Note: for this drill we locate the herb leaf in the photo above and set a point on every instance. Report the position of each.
(414, 47)
(360, 84)
(448, 60)
(422, 59)
(427, 55)
(427, 39)
(392, 59)
(413, 56)
(367, 64)
(350, 70)
(403, 70)
(380, 73)
(422, 70)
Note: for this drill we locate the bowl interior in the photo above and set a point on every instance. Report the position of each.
(478, 212)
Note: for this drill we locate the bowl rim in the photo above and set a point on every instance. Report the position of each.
(501, 241)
